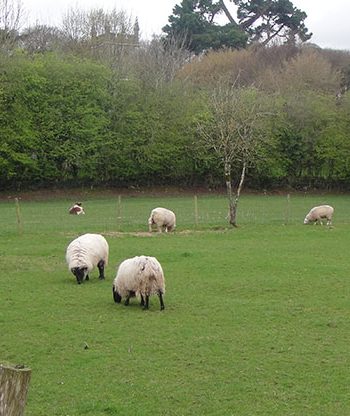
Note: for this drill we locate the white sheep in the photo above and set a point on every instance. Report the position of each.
(140, 275)
(316, 215)
(86, 252)
(163, 218)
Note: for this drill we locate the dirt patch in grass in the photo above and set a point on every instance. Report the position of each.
(155, 234)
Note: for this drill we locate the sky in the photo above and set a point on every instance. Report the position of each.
(327, 20)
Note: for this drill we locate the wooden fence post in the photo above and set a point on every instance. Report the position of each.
(119, 212)
(196, 209)
(287, 213)
(19, 218)
(14, 384)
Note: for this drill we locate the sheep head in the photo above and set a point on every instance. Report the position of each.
(117, 298)
(80, 273)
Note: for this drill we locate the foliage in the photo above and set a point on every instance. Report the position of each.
(333, 147)
(272, 19)
(76, 112)
(53, 110)
(258, 21)
(305, 155)
(194, 21)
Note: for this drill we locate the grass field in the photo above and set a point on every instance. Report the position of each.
(256, 319)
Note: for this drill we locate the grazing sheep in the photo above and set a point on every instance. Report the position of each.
(77, 209)
(163, 218)
(316, 215)
(140, 275)
(86, 252)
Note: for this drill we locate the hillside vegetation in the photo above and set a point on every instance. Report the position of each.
(79, 105)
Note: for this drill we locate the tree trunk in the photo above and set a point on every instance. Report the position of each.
(241, 182)
(233, 213)
(233, 200)
(14, 384)
(227, 13)
(230, 196)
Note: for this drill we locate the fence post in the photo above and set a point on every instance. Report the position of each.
(287, 213)
(196, 210)
(19, 217)
(119, 211)
(14, 384)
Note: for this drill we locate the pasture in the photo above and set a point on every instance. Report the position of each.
(256, 319)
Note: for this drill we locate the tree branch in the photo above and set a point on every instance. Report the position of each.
(227, 13)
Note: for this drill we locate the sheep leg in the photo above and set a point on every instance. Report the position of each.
(87, 277)
(150, 223)
(127, 300)
(142, 303)
(131, 294)
(160, 294)
(146, 305)
(101, 268)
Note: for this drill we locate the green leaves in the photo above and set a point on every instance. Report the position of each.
(51, 108)
(194, 22)
(258, 21)
(67, 120)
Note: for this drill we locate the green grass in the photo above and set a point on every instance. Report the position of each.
(256, 320)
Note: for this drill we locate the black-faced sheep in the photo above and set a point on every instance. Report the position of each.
(140, 275)
(76, 209)
(163, 218)
(86, 252)
(316, 215)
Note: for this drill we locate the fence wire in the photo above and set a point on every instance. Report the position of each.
(131, 213)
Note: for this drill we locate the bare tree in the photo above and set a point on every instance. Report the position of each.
(74, 25)
(108, 36)
(41, 38)
(235, 132)
(81, 25)
(158, 61)
(11, 14)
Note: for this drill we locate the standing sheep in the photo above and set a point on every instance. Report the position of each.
(140, 275)
(163, 218)
(86, 252)
(316, 215)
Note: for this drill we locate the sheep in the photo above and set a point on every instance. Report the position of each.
(163, 218)
(76, 209)
(86, 252)
(140, 275)
(316, 215)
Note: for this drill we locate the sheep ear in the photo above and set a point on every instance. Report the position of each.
(117, 298)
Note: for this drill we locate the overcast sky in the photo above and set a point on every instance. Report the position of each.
(327, 20)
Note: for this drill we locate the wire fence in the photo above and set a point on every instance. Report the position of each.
(126, 214)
